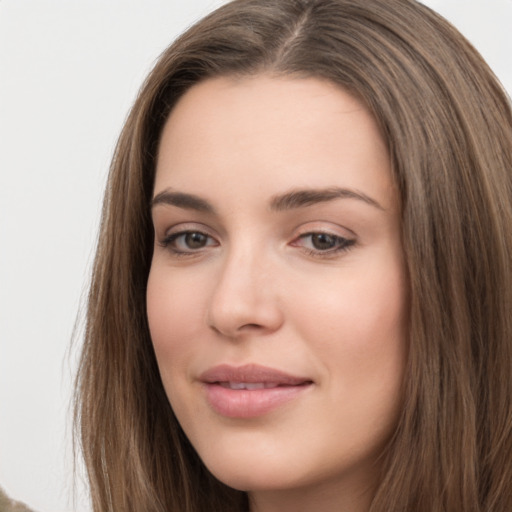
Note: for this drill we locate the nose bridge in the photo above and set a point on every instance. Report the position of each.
(244, 298)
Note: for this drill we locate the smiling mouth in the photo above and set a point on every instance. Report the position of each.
(250, 391)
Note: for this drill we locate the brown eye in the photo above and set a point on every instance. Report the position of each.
(323, 244)
(188, 242)
(324, 241)
(195, 240)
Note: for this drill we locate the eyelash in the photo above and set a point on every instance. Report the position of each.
(342, 244)
(169, 242)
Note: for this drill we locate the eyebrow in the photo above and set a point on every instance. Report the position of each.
(299, 198)
(182, 200)
(307, 197)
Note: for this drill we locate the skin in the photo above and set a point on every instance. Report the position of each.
(259, 287)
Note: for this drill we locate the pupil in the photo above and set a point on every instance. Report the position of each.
(195, 240)
(323, 241)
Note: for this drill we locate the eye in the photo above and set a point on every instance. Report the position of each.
(323, 243)
(187, 242)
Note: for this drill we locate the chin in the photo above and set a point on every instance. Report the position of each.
(256, 463)
(251, 481)
(244, 472)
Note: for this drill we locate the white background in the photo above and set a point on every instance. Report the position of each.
(69, 71)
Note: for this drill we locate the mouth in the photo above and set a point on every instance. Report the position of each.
(250, 391)
(248, 385)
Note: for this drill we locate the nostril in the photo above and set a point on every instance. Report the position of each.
(239, 330)
(251, 326)
(230, 315)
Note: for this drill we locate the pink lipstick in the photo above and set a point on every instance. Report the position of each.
(251, 390)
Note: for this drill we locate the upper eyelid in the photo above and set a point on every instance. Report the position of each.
(311, 233)
(306, 228)
(188, 227)
(332, 229)
(180, 233)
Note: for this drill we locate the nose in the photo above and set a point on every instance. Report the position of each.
(245, 299)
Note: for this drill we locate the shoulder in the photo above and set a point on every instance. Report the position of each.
(8, 505)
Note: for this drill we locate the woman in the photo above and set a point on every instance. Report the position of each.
(302, 293)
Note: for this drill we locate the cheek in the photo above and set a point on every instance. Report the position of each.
(358, 327)
(174, 316)
(364, 304)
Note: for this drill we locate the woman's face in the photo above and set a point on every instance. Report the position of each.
(277, 296)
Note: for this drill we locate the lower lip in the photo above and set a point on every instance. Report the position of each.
(245, 403)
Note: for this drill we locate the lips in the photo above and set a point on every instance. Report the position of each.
(250, 391)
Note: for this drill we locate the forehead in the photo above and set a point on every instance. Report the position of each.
(277, 132)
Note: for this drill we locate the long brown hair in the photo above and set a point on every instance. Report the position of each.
(448, 126)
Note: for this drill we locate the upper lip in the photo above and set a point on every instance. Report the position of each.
(250, 373)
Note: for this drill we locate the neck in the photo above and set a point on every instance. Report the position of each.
(327, 497)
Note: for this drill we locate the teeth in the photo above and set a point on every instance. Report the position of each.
(237, 385)
(254, 385)
(248, 385)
